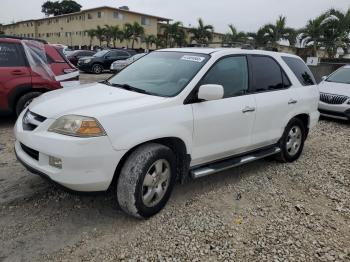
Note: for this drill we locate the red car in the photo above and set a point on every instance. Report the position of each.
(26, 73)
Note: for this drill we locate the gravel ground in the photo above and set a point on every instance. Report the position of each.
(264, 211)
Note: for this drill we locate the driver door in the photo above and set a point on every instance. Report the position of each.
(223, 127)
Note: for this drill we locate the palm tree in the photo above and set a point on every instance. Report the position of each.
(233, 36)
(112, 33)
(100, 34)
(160, 42)
(279, 30)
(149, 40)
(203, 34)
(174, 34)
(334, 31)
(312, 34)
(135, 31)
(91, 33)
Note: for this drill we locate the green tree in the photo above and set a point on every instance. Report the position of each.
(160, 42)
(312, 34)
(92, 34)
(175, 34)
(149, 40)
(203, 34)
(234, 36)
(100, 34)
(134, 32)
(59, 8)
(112, 33)
(334, 31)
(279, 30)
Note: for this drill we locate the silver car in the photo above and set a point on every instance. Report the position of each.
(335, 94)
(119, 65)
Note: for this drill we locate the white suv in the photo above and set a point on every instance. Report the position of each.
(172, 115)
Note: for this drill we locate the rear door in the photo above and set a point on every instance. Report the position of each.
(113, 56)
(275, 99)
(223, 127)
(14, 72)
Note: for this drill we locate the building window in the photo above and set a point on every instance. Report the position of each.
(89, 16)
(118, 15)
(99, 14)
(145, 20)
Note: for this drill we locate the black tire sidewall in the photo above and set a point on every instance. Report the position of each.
(143, 210)
(283, 143)
(97, 66)
(129, 186)
(24, 99)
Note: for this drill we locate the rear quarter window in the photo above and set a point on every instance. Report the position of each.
(11, 55)
(300, 69)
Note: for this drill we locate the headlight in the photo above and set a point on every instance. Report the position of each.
(80, 126)
(87, 61)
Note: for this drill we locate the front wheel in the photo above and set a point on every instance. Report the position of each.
(146, 180)
(292, 141)
(97, 69)
(25, 100)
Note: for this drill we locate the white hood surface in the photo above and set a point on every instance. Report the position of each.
(90, 100)
(334, 88)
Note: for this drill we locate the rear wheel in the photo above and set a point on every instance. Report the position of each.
(97, 69)
(25, 100)
(146, 180)
(292, 141)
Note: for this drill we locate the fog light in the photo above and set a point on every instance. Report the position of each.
(55, 162)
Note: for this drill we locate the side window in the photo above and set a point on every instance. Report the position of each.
(10, 55)
(231, 73)
(122, 53)
(301, 71)
(267, 74)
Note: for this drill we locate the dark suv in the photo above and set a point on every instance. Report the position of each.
(21, 82)
(102, 60)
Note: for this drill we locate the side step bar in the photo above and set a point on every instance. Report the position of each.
(225, 164)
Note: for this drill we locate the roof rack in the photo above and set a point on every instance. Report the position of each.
(24, 38)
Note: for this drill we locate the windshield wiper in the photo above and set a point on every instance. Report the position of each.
(130, 88)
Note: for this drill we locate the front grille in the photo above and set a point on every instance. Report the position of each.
(31, 121)
(333, 99)
(30, 152)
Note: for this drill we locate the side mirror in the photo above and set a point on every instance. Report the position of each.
(210, 92)
(324, 78)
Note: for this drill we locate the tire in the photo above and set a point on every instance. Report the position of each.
(97, 69)
(292, 141)
(25, 100)
(142, 190)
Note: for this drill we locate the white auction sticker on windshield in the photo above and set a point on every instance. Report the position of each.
(198, 59)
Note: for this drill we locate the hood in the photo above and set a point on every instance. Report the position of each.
(90, 100)
(334, 88)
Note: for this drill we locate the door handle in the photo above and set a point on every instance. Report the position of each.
(292, 101)
(248, 109)
(17, 72)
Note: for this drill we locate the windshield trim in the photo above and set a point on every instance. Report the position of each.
(189, 81)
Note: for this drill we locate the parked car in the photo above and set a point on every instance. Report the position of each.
(335, 94)
(119, 65)
(74, 56)
(21, 80)
(173, 115)
(102, 60)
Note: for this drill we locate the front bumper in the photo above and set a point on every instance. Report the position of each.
(84, 67)
(341, 111)
(88, 164)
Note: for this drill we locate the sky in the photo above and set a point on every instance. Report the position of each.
(245, 15)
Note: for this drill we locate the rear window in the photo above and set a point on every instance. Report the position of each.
(300, 69)
(10, 55)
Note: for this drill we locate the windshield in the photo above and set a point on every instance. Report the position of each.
(101, 53)
(340, 76)
(161, 73)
